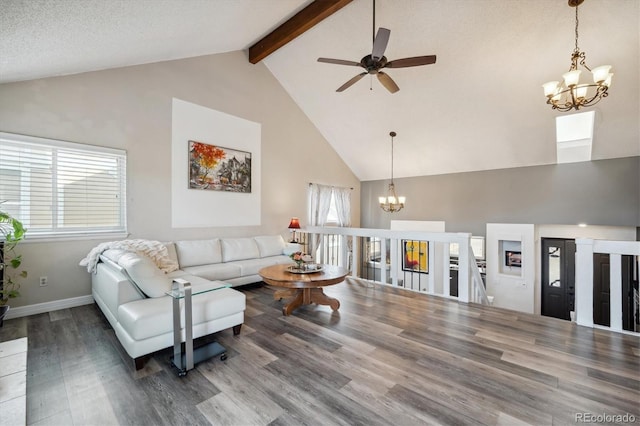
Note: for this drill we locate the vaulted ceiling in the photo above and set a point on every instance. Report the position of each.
(479, 107)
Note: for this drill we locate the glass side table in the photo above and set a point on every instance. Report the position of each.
(185, 360)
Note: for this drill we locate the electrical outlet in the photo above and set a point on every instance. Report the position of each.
(43, 281)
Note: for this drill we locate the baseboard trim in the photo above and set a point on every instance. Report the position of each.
(40, 308)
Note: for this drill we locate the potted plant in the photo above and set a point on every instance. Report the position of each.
(11, 233)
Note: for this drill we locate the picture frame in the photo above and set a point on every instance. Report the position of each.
(415, 256)
(513, 258)
(217, 168)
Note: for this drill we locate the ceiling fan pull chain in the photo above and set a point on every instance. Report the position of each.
(370, 82)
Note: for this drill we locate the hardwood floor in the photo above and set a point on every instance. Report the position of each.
(388, 356)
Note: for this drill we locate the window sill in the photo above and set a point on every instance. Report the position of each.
(73, 237)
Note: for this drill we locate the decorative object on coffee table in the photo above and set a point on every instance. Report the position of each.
(300, 258)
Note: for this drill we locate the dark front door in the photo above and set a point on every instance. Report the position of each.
(558, 277)
(601, 297)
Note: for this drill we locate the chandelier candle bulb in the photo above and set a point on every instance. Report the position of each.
(607, 82)
(550, 88)
(582, 91)
(601, 73)
(571, 78)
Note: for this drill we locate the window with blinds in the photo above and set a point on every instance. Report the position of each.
(58, 188)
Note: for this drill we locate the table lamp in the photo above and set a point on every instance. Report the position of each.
(294, 224)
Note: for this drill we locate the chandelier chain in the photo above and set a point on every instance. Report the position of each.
(391, 159)
(577, 49)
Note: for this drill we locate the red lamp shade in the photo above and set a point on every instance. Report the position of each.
(295, 223)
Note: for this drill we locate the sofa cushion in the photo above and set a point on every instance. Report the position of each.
(144, 272)
(239, 249)
(270, 245)
(173, 254)
(252, 266)
(198, 252)
(216, 271)
(147, 318)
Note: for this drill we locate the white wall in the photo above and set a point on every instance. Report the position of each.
(512, 288)
(130, 108)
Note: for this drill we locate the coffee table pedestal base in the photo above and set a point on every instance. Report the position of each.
(304, 296)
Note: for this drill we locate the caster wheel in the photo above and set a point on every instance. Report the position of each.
(182, 373)
(223, 357)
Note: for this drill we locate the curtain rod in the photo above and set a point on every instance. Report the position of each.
(333, 186)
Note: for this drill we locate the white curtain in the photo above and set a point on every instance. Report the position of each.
(319, 204)
(342, 198)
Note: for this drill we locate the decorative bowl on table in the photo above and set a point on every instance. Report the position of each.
(305, 268)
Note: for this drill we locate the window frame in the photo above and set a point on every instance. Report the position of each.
(56, 232)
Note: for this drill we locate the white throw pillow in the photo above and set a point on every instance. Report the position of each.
(147, 276)
(271, 245)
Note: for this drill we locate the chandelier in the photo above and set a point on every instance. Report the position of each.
(572, 94)
(391, 202)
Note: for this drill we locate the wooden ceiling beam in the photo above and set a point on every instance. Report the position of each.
(296, 25)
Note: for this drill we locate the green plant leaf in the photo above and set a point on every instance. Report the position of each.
(15, 262)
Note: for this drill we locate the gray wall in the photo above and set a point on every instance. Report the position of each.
(604, 192)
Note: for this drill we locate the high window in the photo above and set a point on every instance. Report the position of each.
(62, 189)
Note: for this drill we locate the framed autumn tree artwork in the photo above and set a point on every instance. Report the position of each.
(217, 168)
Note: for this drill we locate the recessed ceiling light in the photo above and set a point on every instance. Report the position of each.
(582, 225)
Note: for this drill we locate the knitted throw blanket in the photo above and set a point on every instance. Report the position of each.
(154, 250)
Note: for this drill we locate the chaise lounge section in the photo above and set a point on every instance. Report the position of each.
(130, 288)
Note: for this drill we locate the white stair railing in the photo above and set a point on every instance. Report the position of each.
(478, 293)
(389, 269)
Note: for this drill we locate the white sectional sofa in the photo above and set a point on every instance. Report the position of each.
(130, 289)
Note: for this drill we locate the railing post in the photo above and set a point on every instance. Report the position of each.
(355, 255)
(584, 282)
(463, 268)
(615, 291)
(446, 272)
(383, 260)
(393, 264)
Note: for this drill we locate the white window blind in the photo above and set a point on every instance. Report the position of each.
(58, 188)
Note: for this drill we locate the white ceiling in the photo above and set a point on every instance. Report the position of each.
(479, 107)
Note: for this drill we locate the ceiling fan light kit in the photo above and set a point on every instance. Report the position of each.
(571, 94)
(376, 61)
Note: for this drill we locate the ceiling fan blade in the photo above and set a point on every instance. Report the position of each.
(388, 82)
(351, 82)
(380, 43)
(411, 62)
(339, 62)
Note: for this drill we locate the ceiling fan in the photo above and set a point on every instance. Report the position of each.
(376, 61)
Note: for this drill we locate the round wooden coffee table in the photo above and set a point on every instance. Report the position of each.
(304, 289)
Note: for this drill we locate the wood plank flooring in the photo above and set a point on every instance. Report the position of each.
(388, 356)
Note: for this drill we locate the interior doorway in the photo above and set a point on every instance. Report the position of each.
(558, 277)
(602, 294)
